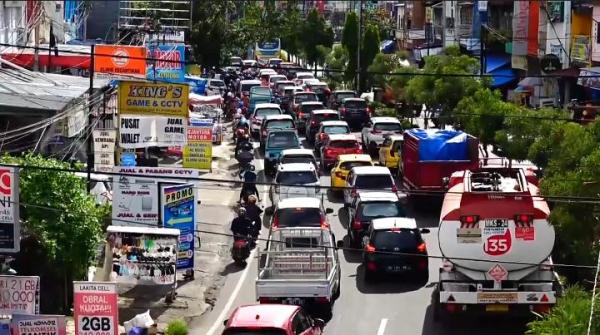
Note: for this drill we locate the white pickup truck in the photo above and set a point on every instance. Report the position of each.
(301, 267)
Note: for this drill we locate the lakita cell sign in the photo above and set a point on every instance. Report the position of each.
(95, 308)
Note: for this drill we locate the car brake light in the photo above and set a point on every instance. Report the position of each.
(313, 122)
(358, 151)
(375, 131)
(372, 266)
(469, 219)
(322, 300)
(356, 224)
(265, 300)
(422, 248)
(394, 188)
(275, 223)
(343, 110)
(328, 152)
(370, 248)
(340, 175)
(300, 115)
(524, 218)
(324, 223)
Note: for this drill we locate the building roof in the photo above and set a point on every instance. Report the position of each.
(46, 92)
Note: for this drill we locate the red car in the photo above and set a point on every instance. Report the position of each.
(338, 144)
(272, 320)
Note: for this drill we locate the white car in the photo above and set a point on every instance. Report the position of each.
(289, 156)
(246, 85)
(263, 72)
(376, 130)
(215, 87)
(295, 180)
(275, 78)
(371, 178)
(303, 75)
(259, 113)
(300, 212)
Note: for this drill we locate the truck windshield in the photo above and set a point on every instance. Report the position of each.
(282, 140)
(336, 130)
(374, 181)
(388, 127)
(356, 104)
(296, 177)
(267, 111)
(297, 159)
(254, 331)
(343, 144)
(280, 124)
(326, 117)
(383, 209)
(304, 217)
(247, 87)
(405, 239)
(346, 95)
(309, 108)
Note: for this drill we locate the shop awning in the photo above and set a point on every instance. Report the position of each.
(498, 66)
(589, 77)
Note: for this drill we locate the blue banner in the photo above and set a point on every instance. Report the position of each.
(167, 63)
(179, 212)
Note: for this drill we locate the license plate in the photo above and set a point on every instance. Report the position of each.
(496, 308)
(293, 301)
(398, 268)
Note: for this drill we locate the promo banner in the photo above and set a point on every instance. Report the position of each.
(167, 63)
(119, 61)
(178, 211)
(135, 202)
(104, 149)
(143, 98)
(19, 294)
(95, 308)
(151, 131)
(38, 325)
(197, 154)
(10, 228)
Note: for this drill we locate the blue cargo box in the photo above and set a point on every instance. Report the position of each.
(441, 145)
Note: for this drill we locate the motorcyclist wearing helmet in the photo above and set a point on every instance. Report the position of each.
(241, 226)
(249, 187)
(253, 212)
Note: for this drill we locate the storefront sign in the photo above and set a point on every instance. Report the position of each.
(119, 61)
(520, 28)
(95, 308)
(146, 171)
(153, 99)
(167, 63)
(580, 49)
(197, 154)
(10, 229)
(150, 131)
(104, 149)
(19, 294)
(178, 212)
(38, 325)
(76, 121)
(135, 202)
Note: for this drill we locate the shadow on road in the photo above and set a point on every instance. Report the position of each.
(386, 285)
(335, 197)
(343, 217)
(351, 256)
(231, 268)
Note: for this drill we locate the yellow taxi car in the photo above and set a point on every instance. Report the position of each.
(389, 152)
(342, 166)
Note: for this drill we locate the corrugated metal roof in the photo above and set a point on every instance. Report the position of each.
(42, 91)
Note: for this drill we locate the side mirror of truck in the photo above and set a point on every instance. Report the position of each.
(225, 322)
(328, 210)
(425, 231)
(340, 244)
(319, 323)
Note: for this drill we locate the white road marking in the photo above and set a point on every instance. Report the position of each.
(382, 325)
(226, 310)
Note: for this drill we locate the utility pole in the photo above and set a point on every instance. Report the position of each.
(36, 43)
(90, 154)
(360, 23)
(443, 24)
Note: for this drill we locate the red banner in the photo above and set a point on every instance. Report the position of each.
(95, 308)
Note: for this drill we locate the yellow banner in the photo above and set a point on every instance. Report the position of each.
(145, 98)
(197, 154)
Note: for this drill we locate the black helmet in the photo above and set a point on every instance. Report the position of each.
(247, 146)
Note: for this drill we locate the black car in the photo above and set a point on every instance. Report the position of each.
(394, 246)
(313, 122)
(336, 98)
(355, 112)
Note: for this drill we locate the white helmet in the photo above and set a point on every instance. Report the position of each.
(230, 94)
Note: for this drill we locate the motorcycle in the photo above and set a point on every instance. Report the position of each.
(240, 250)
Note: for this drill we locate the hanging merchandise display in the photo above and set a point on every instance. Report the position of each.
(144, 256)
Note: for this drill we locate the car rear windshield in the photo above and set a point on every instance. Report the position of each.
(247, 87)
(342, 96)
(309, 108)
(336, 130)
(350, 165)
(280, 124)
(403, 239)
(305, 97)
(268, 111)
(297, 159)
(356, 104)
(388, 126)
(326, 117)
(282, 140)
(383, 209)
(296, 177)
(217, 83)
(346, 144)
(254, 331)
(374, 181)
(303, 217)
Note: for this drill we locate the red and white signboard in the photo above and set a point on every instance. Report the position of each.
(95, 308)
(19, 294)
(10, 230)
(525, 233)
(498, 272)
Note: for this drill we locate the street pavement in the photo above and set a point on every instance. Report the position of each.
(386, 307)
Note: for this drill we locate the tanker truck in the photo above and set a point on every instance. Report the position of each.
(496, 243)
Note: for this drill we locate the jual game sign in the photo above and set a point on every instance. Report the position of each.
(178, 212)
(10, 230)
(38, 325)
(95, 308)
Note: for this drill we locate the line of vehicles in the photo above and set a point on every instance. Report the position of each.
(494, 235)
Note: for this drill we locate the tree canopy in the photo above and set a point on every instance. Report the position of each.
(350, 42)
(315, 33)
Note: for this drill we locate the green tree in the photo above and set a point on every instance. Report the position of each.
(350, 42)
(435, 88)
(64, 221)
(290, 34)
(570, 316)
(213, 36)
(369, 49)
(336, 62)
(316, 33)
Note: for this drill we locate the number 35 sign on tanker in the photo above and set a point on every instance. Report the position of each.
(96, 309)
